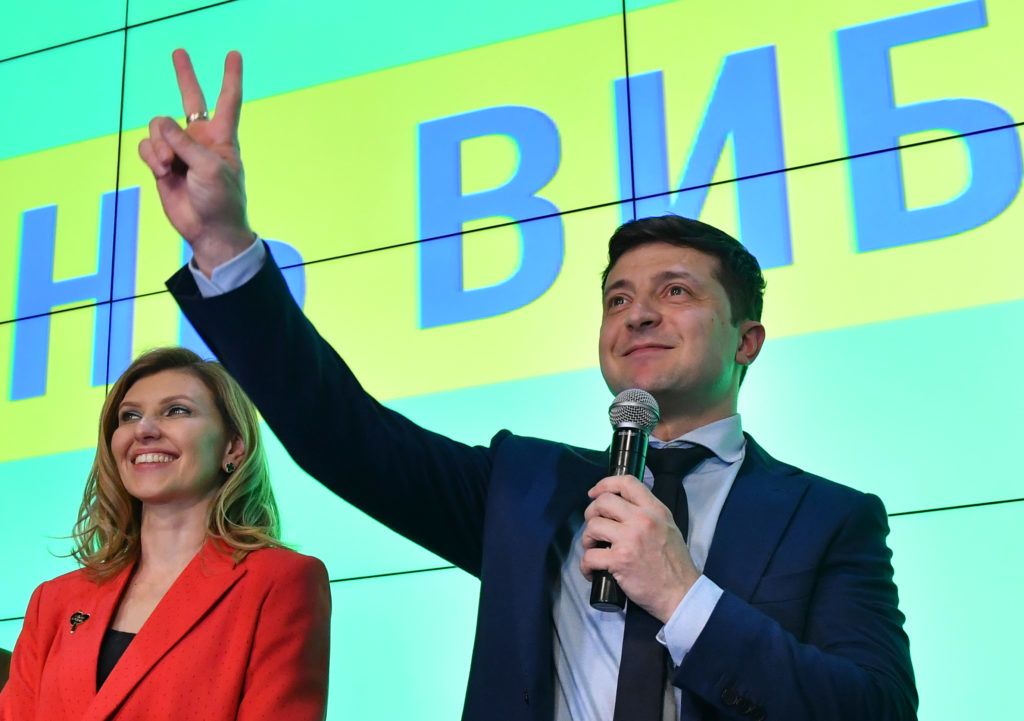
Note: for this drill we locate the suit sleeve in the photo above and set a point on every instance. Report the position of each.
(426, 487)
(288, 664)
(853, 661)
(18, 698)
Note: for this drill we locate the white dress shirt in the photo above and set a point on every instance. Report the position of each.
(587, 642)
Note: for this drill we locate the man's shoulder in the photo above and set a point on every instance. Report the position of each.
(818, 488)
(508, 444)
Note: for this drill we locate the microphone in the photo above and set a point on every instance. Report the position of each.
(634, 414)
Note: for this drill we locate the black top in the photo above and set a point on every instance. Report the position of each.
(115, 643)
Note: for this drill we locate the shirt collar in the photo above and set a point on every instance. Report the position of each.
(724, 438)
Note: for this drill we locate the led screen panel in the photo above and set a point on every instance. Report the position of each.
(483, 128)
(31, 27)
(430, 617)
(46, 449)
(892, 297)
(961, 640)
(147, 11)
(788, 83)
(64, 96)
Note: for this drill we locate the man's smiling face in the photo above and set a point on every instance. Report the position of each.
(667, 327)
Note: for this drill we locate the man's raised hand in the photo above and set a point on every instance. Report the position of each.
(198, 169)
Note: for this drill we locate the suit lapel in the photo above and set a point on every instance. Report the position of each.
(763, 498)
(577, 472)
(203, 582)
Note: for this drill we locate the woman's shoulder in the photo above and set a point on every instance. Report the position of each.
(284, 562)
(68, 582)
(51, 596)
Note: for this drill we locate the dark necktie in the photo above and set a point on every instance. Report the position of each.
(642, 671)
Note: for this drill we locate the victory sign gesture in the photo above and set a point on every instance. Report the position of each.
(198, 169)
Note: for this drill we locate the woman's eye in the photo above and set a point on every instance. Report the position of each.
(128, 416)
(178, 411)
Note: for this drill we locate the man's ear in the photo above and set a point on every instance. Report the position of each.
(751, 339)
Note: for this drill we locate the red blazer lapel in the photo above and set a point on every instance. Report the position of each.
(201, 585)
(82, 647)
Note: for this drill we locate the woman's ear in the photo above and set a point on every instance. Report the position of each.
(234, 454)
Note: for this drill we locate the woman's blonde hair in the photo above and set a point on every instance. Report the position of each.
(243, 513)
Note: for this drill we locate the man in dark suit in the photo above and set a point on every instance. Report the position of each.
(779, 603)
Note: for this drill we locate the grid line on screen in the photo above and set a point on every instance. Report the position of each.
(173, 15)
(117, 196)
(956, 508)
(571, 211)
(58, 46)
(629, 109)
(388, 574)
(434, 569)
(126, 26)
(85, 306)
(119, 29)
(817, 236)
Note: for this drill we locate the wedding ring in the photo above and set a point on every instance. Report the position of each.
(192, 117)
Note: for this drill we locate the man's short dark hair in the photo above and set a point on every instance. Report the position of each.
(738, 270)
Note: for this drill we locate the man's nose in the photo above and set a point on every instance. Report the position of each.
(641, 315)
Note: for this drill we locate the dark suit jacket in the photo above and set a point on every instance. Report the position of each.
(808, 627)
(5, 666)
(246, 641)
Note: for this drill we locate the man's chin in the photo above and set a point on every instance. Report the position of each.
(654, 383)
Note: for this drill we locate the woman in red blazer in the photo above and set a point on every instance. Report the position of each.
(186, 607)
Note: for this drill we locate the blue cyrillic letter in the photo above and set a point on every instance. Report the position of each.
(38, 293)
(444, 299)
(744, 107)
(874, 122)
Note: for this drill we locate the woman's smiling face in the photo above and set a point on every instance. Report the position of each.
(170, 444)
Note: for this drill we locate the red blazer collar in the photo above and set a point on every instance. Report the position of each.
(203, 582)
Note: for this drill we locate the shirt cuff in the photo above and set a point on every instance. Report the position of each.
(689, 618)
(232, 274)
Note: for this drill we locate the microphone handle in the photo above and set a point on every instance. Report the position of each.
(627, 457)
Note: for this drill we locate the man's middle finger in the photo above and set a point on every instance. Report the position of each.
(600, 532)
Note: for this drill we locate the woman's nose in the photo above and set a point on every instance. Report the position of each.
(147, 427)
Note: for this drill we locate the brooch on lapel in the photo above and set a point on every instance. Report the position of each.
(77, 619)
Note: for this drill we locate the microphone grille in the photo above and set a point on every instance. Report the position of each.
(634, 408)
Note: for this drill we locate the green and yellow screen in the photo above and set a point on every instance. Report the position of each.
(440, 179)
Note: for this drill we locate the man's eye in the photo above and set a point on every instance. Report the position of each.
(677, 290)
(616, 301)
